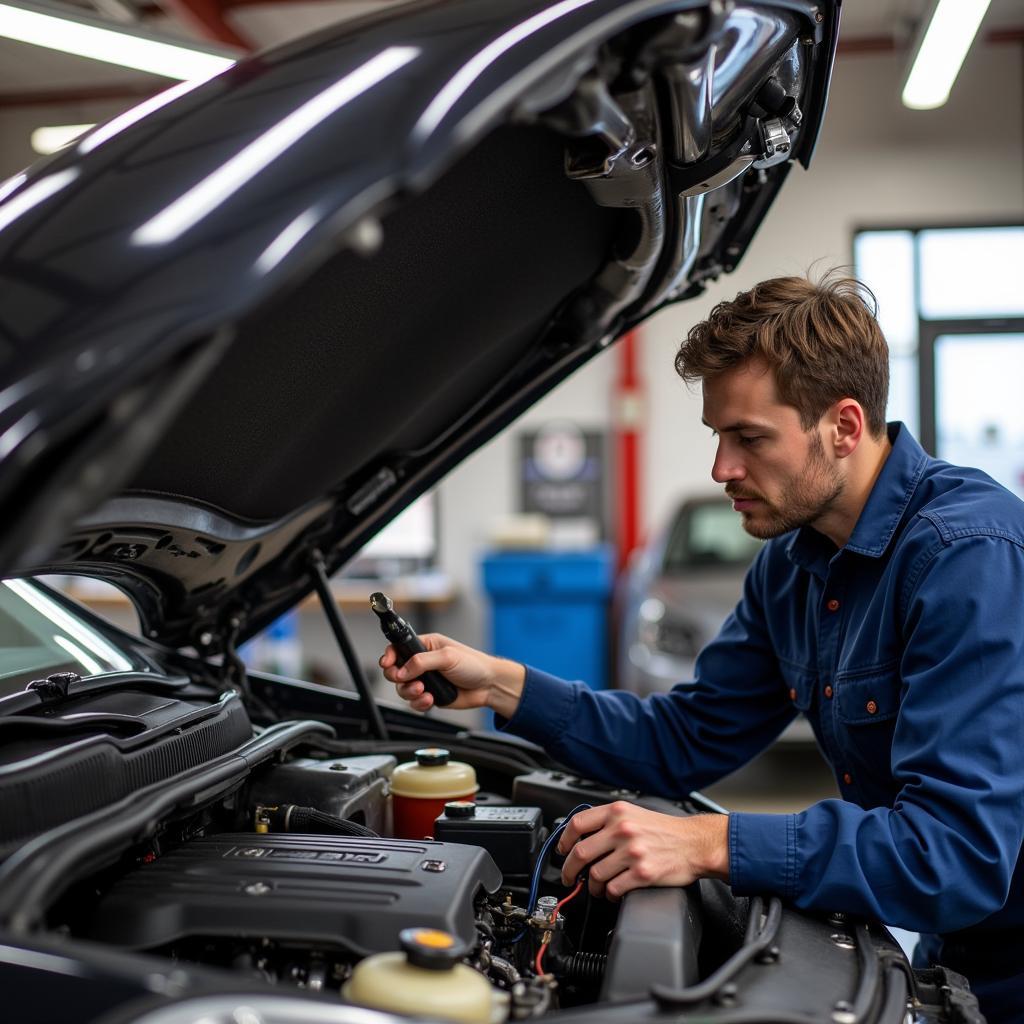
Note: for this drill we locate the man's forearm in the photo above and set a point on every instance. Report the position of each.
(507, 688)
(711, 855)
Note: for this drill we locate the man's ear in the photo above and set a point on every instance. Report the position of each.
(847, 426)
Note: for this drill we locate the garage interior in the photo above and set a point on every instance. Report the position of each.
(882, 175)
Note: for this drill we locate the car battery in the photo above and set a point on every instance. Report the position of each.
(512, 835)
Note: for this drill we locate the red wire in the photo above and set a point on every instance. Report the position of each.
(538, 962)
(562, 903)
(538, 969)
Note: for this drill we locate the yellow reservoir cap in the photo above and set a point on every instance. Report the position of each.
(433, 938)
(433, 776)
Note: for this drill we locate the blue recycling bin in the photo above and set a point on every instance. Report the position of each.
(550, 610)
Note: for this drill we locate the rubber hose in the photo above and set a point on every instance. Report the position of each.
(586, 968)
(309, 819)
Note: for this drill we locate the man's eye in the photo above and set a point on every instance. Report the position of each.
(751, 439)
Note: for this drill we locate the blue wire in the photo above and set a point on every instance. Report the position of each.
(551, 840)
(542, 856)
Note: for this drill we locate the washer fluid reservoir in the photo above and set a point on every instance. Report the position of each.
(425, 980)
(421, 788)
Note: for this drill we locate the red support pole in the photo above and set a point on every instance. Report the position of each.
(628, 406)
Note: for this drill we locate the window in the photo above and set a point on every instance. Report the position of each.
(406, 545)
(971, 273)
(951, 305)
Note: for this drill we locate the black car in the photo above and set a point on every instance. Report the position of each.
(242, 327)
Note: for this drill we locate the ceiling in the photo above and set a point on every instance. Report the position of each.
(32, 76)
(898, 18)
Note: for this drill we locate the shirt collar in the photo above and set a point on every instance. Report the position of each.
(882, 513)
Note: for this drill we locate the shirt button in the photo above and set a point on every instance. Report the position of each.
(832, 605)
(847, 778)
(828, 692)
(792, 694)
(871, 707)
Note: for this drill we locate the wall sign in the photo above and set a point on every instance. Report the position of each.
(562, 474)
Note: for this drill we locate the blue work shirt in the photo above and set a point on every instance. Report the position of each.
(905, 650)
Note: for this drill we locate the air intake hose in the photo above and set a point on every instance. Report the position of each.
(292, 818)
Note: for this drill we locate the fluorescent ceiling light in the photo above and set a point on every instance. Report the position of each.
(68, 31)
(53, 137)
(943, 45)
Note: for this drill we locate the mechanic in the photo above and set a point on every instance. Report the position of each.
(886, 606)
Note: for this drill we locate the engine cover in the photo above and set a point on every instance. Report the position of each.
(353, 894)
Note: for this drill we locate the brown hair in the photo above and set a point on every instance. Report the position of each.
(821, 339)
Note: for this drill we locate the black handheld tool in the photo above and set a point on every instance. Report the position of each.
(407, 643)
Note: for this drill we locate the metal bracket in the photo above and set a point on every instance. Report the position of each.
(716, 171)
(776, 143)
(592, 112)
(760, 144)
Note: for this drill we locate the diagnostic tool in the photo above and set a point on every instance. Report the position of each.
(407, 643)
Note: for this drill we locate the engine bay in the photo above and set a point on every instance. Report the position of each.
(315, 867)
(318, 884)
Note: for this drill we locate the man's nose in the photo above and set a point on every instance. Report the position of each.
(726, 466)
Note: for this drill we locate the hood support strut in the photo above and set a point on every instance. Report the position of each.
(322, 584)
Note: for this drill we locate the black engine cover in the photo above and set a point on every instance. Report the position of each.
(353, 894)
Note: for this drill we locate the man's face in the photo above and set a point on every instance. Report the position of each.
(778, 475)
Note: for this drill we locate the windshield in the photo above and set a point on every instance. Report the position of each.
(709, 534)
(39, 636)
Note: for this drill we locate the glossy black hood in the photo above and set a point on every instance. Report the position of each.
(252, 319)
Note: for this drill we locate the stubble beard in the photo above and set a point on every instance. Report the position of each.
(804, 500)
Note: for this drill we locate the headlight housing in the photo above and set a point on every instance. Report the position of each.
(670, 634)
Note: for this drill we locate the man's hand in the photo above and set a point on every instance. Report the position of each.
(481, 679)
(629, 847)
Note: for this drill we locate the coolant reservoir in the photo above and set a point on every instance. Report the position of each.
(425, 980)
(422, 787)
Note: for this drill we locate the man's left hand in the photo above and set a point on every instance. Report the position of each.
(630, 847)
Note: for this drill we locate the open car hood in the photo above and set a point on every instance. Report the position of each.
(246, 323)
